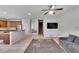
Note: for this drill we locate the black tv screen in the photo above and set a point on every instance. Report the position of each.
(52, 25)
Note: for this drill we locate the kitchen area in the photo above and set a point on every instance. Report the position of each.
(6, 27)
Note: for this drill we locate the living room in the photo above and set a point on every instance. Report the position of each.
(48, 29)
(67, 27)
(60, 24)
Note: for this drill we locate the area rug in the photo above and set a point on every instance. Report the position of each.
(44, 46)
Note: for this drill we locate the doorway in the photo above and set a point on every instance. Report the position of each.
(40, 27)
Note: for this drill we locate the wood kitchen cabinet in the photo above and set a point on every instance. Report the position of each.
(5, 37)
(8, 25)
(3, 23)
(11, 23)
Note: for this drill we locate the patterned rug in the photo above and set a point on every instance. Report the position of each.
(44, 46)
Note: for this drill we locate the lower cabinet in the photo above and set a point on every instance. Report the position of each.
(5, 38)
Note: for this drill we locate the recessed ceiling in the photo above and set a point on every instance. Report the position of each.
(21, 11)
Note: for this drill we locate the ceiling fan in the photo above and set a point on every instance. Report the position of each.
(51, 9)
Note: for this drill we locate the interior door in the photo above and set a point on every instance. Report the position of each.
(40, 27)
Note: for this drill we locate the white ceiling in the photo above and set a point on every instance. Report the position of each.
(21, 11)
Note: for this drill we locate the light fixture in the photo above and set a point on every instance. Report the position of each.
(29, 14)
(51, 12)
(53, 7)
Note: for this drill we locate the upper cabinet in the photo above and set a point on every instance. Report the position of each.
(11, 23)
(3, 23)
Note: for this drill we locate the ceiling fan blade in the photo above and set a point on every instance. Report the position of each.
(45, 13)
(50, 6)
(44, 10)
(59, 9)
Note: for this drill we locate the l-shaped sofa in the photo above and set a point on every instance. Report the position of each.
(70, 43)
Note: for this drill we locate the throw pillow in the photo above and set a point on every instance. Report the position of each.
(71, 38)
(76, 40)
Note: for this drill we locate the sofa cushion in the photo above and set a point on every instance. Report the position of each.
(66, 42)
(76, 40)
(71, 38)
(73, 48)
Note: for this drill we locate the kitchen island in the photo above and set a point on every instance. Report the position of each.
(11, 37)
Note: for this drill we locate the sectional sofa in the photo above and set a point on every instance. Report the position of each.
(70, 43)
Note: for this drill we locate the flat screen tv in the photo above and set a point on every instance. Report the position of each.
(52, 25)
